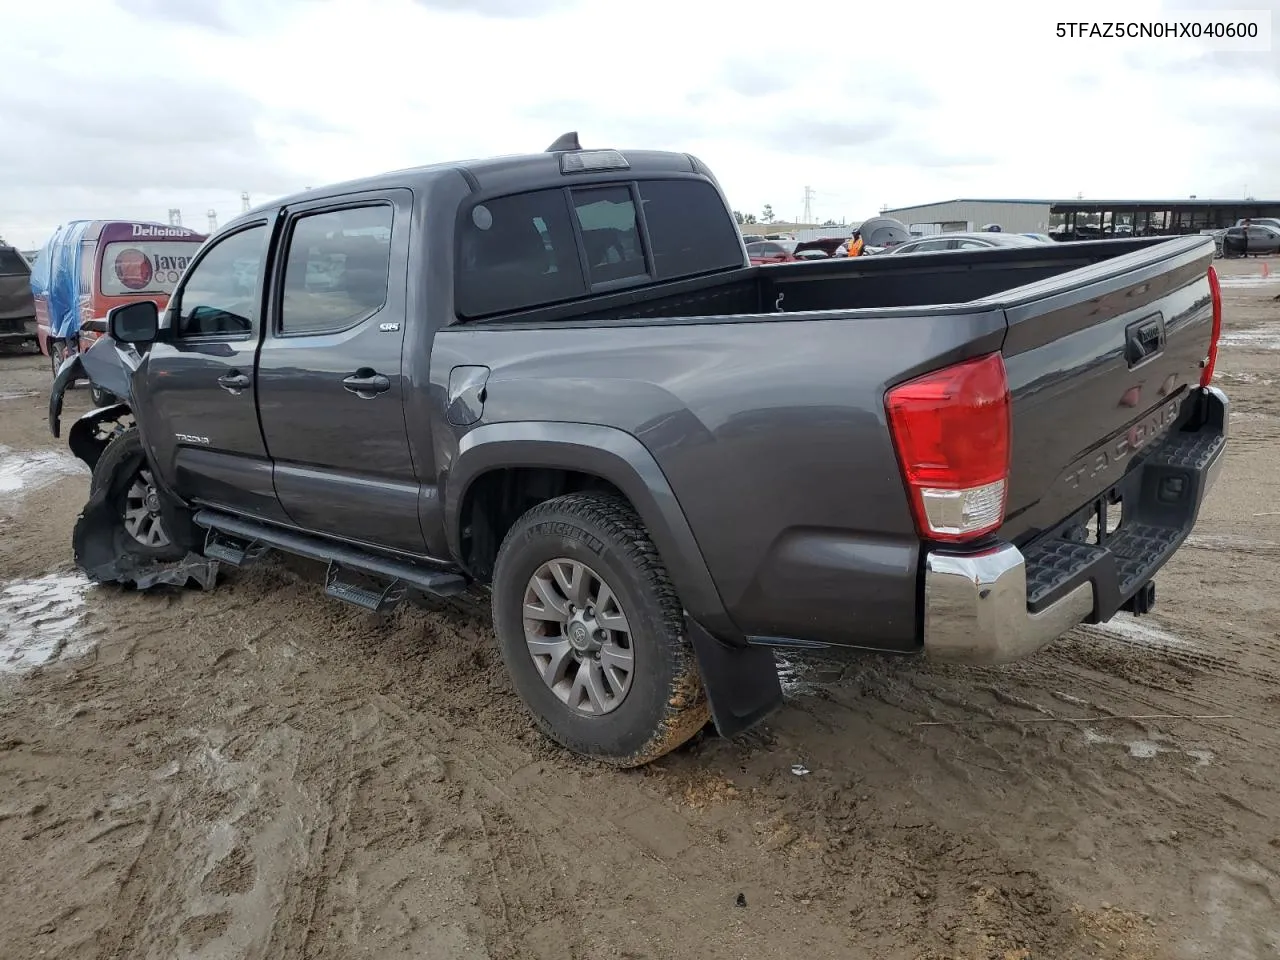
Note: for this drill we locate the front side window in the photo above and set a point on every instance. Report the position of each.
(517, 253)
(607, 218)
(220, 294)
(337, 268)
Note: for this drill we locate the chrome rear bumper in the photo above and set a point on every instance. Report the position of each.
(976, 608)
(975, 605)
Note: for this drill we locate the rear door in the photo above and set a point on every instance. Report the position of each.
(1099, 362)
(330, 386)
(200, 414)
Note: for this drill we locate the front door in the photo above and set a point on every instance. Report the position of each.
(330, 390)
(200, 414)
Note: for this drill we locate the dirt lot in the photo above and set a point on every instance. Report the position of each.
(260, 772)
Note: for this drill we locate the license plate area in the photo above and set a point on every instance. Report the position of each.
(1099, 522)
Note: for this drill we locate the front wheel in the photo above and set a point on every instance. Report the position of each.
(592, 632)
(135, 524)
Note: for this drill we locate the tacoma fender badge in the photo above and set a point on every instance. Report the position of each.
(188, 438)
(388, 327)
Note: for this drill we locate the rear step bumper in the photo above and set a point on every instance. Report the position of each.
(1002, 603)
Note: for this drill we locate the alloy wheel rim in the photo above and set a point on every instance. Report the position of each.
(578, 636)
(142, 517)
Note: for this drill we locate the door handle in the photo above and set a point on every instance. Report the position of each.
(366, 384)
(234, 382)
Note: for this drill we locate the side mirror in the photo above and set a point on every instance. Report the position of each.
(134, 322)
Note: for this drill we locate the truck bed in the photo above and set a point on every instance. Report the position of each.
(772, 380)
(860, 283)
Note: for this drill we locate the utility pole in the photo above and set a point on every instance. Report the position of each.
(213, 220)
(808, 205)
(175, 217)
(244, 202)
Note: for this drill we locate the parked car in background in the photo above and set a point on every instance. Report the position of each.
(17, 307)
(819, 249)
(963, 241)
(1273, 222)
(752, 237)
(1042, 237)
(772, 251)
(1263, 241)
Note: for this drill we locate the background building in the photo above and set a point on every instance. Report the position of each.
(1014, 216)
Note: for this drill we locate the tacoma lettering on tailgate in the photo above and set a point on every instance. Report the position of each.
(1115, 452)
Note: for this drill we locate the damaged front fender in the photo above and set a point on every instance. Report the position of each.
(69, 372)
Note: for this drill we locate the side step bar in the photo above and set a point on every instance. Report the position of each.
(238, 540)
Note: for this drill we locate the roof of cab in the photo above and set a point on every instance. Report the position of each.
(513, 173)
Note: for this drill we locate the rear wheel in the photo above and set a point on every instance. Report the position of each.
(592, 632)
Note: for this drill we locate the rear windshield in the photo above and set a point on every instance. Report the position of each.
(12, 263)
(132, 267)
(521, 251)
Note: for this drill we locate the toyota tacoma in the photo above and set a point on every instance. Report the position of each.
(556, 378)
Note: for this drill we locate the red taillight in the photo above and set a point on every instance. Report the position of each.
(1215, 291)
(951, 429)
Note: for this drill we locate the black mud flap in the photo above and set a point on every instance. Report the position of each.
(98, 554)
(741, 682)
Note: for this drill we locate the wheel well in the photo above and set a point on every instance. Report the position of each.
(497, 499)
(88, 438)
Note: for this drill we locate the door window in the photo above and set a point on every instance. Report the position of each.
(219, 297)
(337, 269)
(967, 244)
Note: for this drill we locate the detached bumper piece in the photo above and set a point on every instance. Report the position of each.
(1001, 603)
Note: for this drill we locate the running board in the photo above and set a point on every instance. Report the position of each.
(253, 537)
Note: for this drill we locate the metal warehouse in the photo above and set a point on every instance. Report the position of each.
(1014, 216)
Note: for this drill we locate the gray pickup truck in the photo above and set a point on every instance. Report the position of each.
(556, 377)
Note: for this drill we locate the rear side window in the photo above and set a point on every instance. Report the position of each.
(518, 252)
(610, 236)
(689, 228)
(337, 268)
(12, 263)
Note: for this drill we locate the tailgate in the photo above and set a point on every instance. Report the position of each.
(1099, 362)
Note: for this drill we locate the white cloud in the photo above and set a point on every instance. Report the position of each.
(130, 107)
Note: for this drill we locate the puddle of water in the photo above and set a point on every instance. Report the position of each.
(1228, 377)
(804, 675)
(1255, 280)
(39, 620)
(1146, 749)
(32, 469)
(1140, 632)
(1265, 337)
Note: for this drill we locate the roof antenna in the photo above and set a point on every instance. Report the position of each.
(566, 141)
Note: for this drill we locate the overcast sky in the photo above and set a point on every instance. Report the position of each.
(126, 108)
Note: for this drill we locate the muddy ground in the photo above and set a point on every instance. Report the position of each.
(260, 772)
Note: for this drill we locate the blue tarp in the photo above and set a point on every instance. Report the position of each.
(56, 277)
